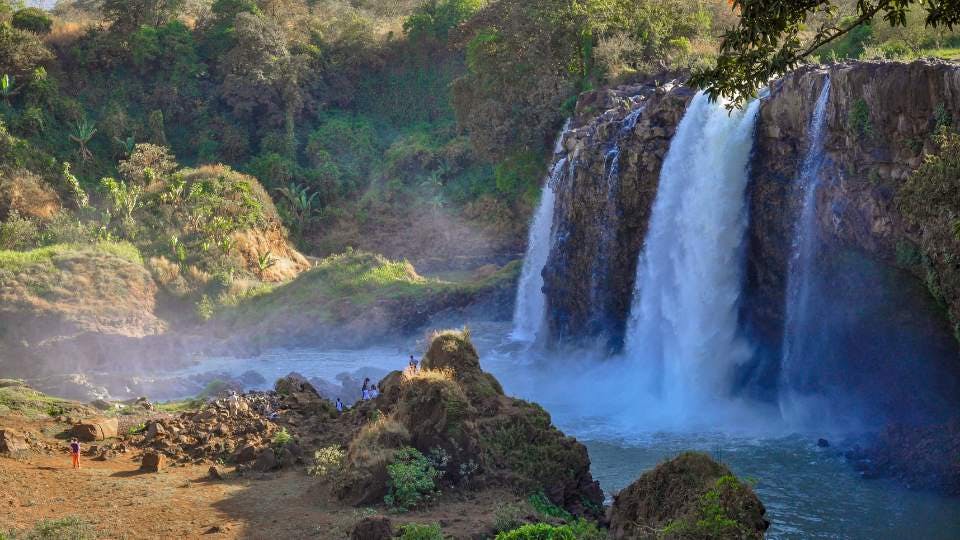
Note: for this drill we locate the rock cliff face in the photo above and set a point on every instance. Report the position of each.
(604, 200)
(880, 120)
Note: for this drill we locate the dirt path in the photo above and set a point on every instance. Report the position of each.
(180, 502)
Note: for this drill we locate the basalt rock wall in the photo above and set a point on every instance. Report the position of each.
(604, 199)
(880, 121)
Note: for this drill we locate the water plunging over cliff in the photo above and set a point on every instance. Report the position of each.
(800, 270)
(682, 335)
(529, 315)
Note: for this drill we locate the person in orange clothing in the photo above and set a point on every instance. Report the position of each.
(75, 452)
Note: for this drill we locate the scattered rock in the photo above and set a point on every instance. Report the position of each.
(155, 429)
(373, 528)
(153, 462)
(266, 461)
(101, 405)
(246, 454)
(292, 383)
(214, 473)
(823, 443)
(12, 442)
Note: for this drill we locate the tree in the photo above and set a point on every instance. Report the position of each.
(83, 131)
(768, 40)
(32, 20)
(20, 51)
(127, 16)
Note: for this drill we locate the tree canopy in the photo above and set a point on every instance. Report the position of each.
(769, 39)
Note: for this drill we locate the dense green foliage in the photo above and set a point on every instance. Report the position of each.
(412, 480)
(416, 531)
(774, 36)
(713, 519)
(576, 530)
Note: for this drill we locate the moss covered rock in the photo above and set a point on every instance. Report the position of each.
(690, 497)
(452, 406)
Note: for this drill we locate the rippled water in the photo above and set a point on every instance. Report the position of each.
(809, 492)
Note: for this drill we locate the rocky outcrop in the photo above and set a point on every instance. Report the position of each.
(922, 457)
(604, 201)
(690, 496)
(452, 407)
(880, 119)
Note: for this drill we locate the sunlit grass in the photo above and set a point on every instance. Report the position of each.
(432, 375)
(15, 261)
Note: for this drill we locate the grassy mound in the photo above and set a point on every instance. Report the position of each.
(367, 294)
(689, 497)
(457, 414)
(101, 287)
(17, 397)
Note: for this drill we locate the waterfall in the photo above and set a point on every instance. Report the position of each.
(530, 309)
(800, 270)
(682, 337)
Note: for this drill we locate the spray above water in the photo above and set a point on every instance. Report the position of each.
(530, 310)
(682, 337)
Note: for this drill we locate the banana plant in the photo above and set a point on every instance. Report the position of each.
(7, 89)
(83, 131)
(265, 261)
(127, 145)
(302, 204)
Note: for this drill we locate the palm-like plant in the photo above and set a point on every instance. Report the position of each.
(302, 204)
(265, 261)
(83, 131)
(7, 89)
(128, 144)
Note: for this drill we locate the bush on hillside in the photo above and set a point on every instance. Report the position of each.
(413, 480)
(33, 20)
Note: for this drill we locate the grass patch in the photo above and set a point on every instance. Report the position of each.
(185, 405)
(16, 397)
(16, 261)
(343, 286)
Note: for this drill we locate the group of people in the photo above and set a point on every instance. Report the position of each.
(370, 391)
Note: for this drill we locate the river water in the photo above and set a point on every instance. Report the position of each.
(809, 492)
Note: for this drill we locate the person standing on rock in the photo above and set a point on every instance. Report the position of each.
(374, 392)
(413, 365)
(75, 453)
(339, 406)
(365, 391)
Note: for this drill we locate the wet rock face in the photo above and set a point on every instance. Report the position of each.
(604, 201)
(880, 119)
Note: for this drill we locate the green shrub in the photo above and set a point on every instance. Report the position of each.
(281, 438)
(858, 119)
(539, 531)
(545, 508)
(205, 308)
(712, 519)
(508, 517)
(33, 20)
(68, 528)
(412, 479)
(137, 429)
(327, 461)
(416, 531)
(18, 232)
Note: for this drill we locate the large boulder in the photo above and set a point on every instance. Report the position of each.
(690, 496)
(96, 429)
(12, 442)
(153, 462)
(294, 383)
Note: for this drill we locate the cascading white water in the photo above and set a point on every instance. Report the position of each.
(530, 309)
(800, 269)
(682, 337)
